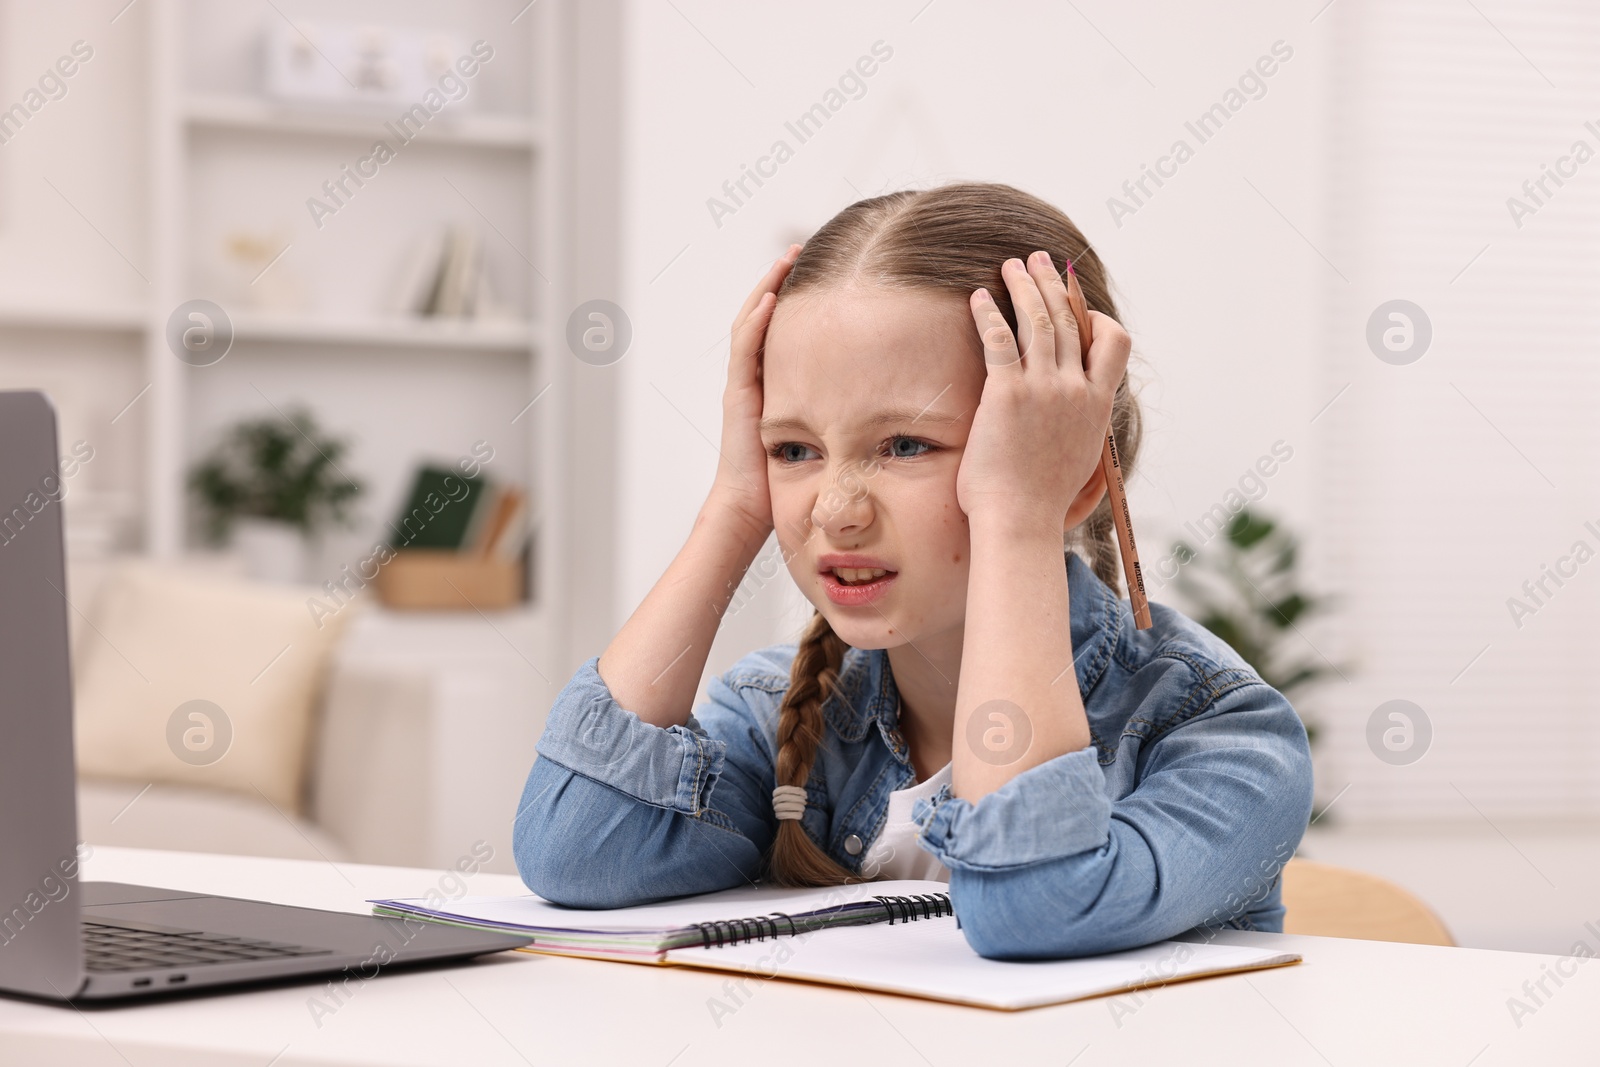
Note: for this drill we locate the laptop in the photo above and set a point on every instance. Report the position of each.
(65, 939)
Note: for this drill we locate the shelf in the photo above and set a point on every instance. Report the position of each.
(112, 318)
(379, 635)
(263, 115)
(484, 335)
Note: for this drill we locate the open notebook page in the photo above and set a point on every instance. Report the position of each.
(930, 958)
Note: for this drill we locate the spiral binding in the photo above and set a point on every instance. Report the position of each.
(732, 931)
(921, 906)
(907, 909)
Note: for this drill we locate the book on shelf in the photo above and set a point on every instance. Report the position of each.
(442, 275)
(498, 533)
(437, 514)
(418, 275)
(453, 295)
(474, 516)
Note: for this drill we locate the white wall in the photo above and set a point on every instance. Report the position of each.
(1217, 288)
(1455, 479)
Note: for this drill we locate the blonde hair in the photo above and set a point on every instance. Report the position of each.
(951, 239)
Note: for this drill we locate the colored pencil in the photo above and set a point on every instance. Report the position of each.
(1111, 464)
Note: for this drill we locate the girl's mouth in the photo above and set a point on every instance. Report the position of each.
(864, 590)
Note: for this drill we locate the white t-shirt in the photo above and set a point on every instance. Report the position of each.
(895, 853)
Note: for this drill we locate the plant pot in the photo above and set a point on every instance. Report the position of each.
(272, 550)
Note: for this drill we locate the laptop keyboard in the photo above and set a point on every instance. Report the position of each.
(120, 948)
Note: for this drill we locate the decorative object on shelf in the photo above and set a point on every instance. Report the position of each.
(1247, 593)
(261, 281)
(327, 64)
(460, 547)
(274, 483)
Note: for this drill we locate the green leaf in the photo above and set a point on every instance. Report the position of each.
(1246, 529)
(1287, 610)
(1245, 589)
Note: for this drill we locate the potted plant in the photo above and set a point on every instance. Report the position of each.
(272, 484)
(1247, 592)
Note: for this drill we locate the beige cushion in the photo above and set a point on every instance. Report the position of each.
(160, 637)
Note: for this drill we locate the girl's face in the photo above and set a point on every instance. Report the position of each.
(868, 395)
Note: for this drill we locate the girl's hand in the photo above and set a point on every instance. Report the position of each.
(741, 482)
(1041, 422)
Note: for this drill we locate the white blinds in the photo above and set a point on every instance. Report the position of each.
(1451, 481)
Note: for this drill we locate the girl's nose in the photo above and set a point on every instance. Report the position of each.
(845, 506)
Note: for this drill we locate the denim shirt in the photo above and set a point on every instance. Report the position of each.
(1177, 817)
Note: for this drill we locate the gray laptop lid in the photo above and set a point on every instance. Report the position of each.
(40, 946)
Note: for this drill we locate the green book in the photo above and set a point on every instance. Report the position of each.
(440, 509)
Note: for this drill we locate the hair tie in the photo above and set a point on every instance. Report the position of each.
(789, 801)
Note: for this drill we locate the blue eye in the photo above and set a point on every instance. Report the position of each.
(780, 451)
(784, 451)
(915, 442)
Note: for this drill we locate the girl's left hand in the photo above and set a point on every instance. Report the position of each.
(1041, 422)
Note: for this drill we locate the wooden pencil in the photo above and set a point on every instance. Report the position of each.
(1111, 464)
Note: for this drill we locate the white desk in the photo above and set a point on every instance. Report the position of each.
(1350, 1002)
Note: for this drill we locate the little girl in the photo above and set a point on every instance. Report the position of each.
(908, 408)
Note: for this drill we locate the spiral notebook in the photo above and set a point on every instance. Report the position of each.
(647, 932)
(889, 936)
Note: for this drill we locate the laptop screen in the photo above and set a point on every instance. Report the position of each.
(39, 935)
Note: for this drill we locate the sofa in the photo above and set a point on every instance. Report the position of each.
(349, 787)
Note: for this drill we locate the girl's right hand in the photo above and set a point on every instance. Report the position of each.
(741, 482)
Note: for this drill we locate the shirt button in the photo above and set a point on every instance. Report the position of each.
(852, 845)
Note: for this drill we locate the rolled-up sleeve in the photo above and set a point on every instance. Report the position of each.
(1050, 866)
(590, 734)
(617, 811)
(1004, 829)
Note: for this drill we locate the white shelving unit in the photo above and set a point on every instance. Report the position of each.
(217, 151)
(215, 156)
(221, 150)
(218, 146)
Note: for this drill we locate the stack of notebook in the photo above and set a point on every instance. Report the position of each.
(892, 936)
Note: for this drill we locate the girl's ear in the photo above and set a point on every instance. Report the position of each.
(1087, 500)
